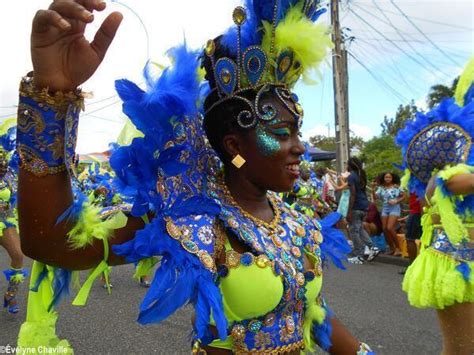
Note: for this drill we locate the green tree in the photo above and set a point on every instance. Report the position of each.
(439, 92)
(390, 126)
(380, 154)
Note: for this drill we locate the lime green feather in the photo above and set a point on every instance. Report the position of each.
(18, 278)
(128, 133)
(405, 179)
(452, 223)
(38, 332)
(6, 125)
(310, 43)
(314, 313)
(91, 226)
(464, 83)
(145, 267)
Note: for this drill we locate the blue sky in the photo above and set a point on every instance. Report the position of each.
(150, 27)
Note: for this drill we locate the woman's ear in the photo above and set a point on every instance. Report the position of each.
(232, 144)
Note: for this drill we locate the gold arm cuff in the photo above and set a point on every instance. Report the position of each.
(59, 101)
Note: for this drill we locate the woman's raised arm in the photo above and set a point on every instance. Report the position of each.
(47, 119)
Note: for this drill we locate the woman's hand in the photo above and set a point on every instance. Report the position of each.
(62, 57)
(392, 202)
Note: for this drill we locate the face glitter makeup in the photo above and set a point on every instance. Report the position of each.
(267, 144)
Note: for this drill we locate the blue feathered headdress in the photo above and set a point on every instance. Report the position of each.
(432, 140)
(260, 11)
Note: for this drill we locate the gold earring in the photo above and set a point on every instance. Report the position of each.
(238, 161)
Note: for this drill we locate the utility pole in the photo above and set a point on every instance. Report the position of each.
(341, 109)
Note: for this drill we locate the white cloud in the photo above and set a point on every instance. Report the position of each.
(319, 129)
(365, 132)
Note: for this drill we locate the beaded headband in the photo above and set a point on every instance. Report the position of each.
(262, 68)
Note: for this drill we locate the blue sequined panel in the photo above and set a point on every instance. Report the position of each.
(435, 147)
(463, 251)
(196, 233)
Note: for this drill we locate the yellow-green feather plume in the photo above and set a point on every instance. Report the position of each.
(310, 43)
(464, 83)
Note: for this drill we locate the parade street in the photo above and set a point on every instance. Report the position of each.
(367, 298)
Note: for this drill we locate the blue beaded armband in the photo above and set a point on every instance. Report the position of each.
(47, 129)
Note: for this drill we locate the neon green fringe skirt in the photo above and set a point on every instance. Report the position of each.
(434, 281)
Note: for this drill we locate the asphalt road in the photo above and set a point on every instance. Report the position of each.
(367, 298)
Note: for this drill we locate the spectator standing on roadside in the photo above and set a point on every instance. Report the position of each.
(389, 192)
(356, 213)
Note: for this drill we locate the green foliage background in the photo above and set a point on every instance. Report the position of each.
(381, 153)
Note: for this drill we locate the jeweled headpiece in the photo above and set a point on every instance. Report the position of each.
(274, 43)
(438, 138)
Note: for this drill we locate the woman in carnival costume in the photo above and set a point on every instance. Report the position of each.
(251, 266)
(439, 158)
(9, 238)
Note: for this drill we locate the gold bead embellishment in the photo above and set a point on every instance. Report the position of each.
(262, 261)
(300, 231)
(238, 332)
(299, 109)
(226, 76)
(239, 15)
(290, 325)
(232, 259)
(284, 65)
(300, 279)
(173, 230)
(210, 48)
(207, 260)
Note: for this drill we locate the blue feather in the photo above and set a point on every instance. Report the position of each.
(61, 281)
(41, 277)
(334, 245)
(9, 273)
(465, 270)
(469, 95)
(466, 206)
(323, 332)
(74, 211)
(180, 279)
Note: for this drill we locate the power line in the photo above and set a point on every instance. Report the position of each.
(103, 118)
(413, 33)
(404, 39)
(101, 108)
(394, 43)
(395, 67)
(423, 34)
(430, 21)
(413, 40)
(380, 81)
